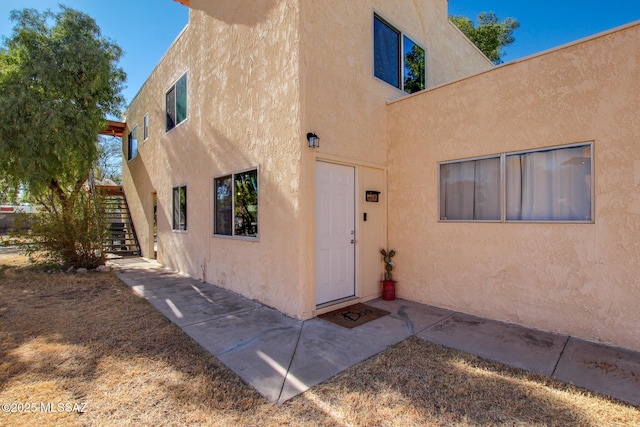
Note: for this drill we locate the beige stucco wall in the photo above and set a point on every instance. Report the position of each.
(577, 279)
(345, 104)
(261, 74)
(243, 112)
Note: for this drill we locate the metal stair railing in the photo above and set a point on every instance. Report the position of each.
(121, 237)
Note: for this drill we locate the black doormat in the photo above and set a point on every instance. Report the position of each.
(354, 315)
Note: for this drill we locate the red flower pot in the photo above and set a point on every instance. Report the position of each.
(388, 290)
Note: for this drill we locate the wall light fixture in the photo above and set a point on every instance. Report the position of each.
(314, 140)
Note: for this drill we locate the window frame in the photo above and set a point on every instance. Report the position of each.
(174, 227)
(130, 147)
(401, 63)
(174, 87)
(145, 127)
(232, 177)
(503, 185)
(472, 159)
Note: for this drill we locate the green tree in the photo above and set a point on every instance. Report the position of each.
(8, 194)
(415, 72)
(490, 35)
(59, 79)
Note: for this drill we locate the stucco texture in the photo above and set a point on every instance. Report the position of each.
(346, 105)
(261, 74)
(243, 113)
(576, 279)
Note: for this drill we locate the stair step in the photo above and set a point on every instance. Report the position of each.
(121, 239)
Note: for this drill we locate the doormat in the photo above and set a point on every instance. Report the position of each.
(354, 315)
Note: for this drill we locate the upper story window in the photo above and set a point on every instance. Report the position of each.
(132, 143)
(398, 60)
(145, 126)
(177, 103)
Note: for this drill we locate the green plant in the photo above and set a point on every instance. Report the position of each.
(386, 257)
(70, 235)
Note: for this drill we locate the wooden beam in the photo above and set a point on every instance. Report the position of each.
(114, 128)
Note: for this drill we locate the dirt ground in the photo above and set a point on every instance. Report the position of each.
(84, 350)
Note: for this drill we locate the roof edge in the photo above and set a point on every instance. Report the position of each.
(527, 58)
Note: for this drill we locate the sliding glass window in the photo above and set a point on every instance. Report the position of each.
(470, 190)
(546, 185)
(549, 185)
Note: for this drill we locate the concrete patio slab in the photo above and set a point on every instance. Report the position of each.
(609, 370)
(513, 345)
(414, 316)
(324, 350)
(257, 344)
(188, 305)
(282, 357)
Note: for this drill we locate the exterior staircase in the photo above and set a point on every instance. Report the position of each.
(121, 238)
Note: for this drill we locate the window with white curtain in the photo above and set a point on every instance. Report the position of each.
(547, 185)
(470, 190)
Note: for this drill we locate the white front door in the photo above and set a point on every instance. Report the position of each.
(335, 232)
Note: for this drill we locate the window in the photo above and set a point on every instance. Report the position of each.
(413, 66)
(132, 143)
(180, 208)
(176, 103)
(236, 204)
(396, 55)
(145, 126)
(549, 185)
(470, 190)
(552, 184)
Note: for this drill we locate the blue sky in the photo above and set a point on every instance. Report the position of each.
(545, 24)
(144, 29)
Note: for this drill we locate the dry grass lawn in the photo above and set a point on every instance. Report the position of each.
(89, 340)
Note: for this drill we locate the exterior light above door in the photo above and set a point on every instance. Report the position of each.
(314, 140)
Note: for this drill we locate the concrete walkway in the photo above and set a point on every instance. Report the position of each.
(282, 357)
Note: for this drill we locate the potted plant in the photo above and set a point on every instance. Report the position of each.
(388, 284)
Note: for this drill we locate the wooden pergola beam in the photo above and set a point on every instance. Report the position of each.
(114, 128)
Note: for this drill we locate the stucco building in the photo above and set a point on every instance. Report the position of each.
(508, 192)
